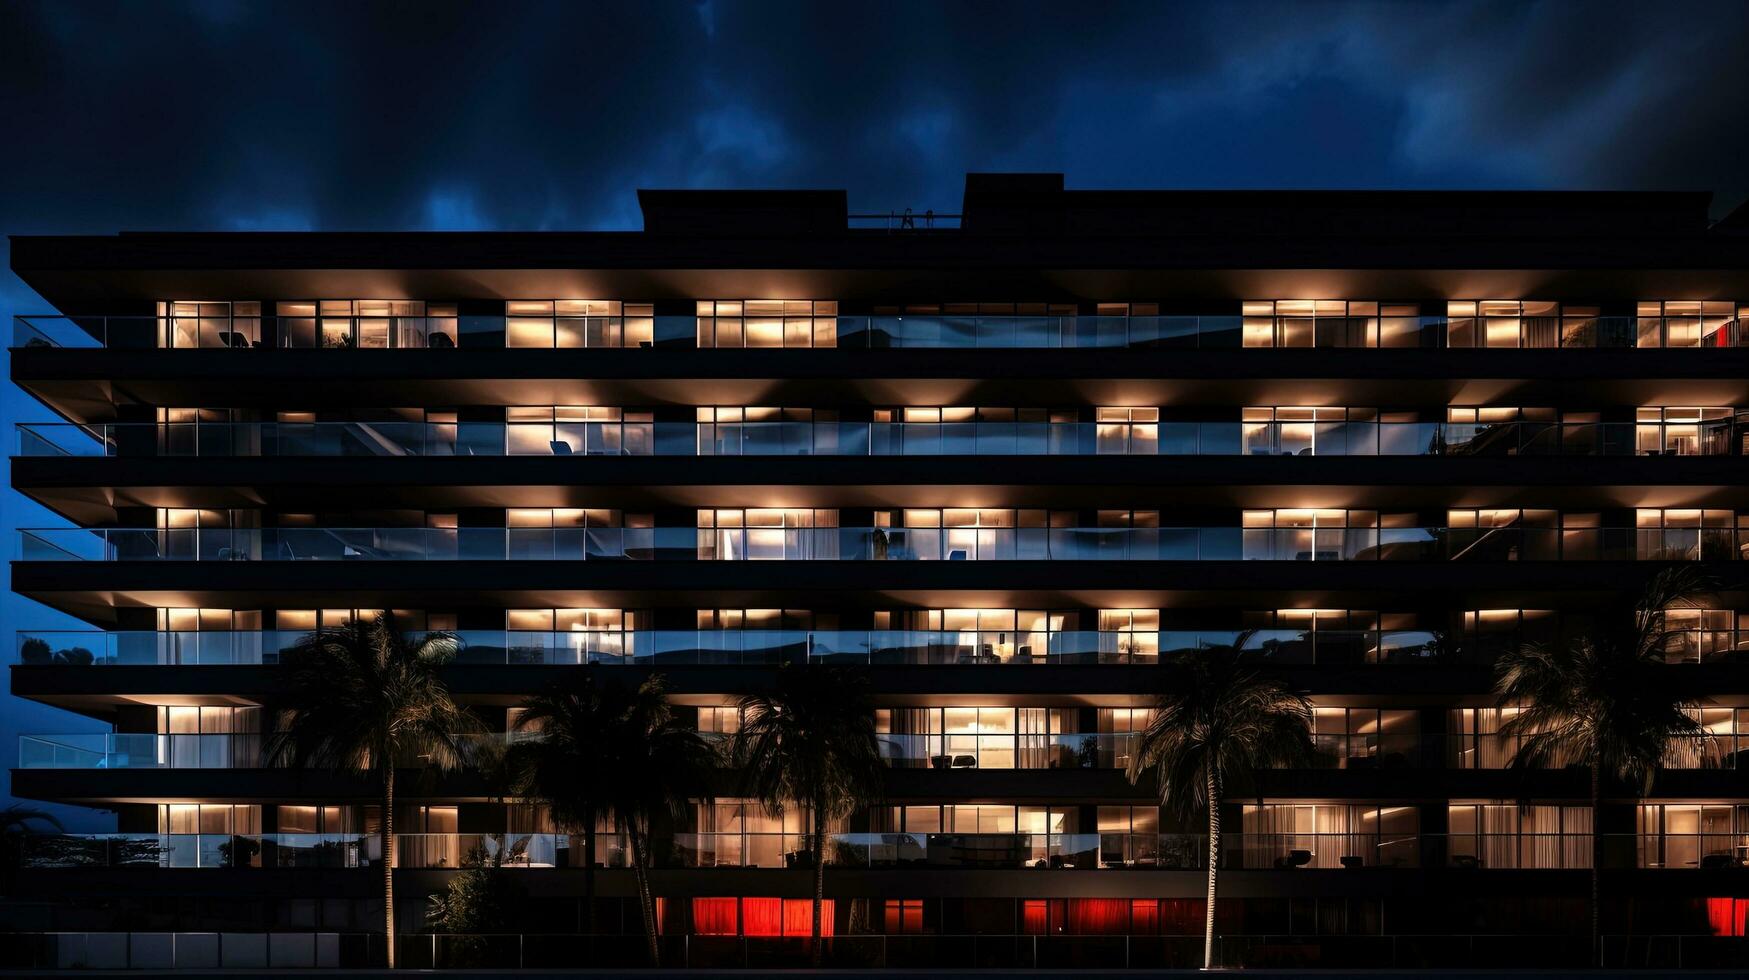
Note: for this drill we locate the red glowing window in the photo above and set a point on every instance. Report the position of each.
(1033, 916)
(1727, 916)
(759, 917)
(904, 915)
(1099, 916)
(798, 917)
(1145, 916)
(715, 917)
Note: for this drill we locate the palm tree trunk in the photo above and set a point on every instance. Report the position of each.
(589, 871)
(644, 899)
(819, 878)
(1208, 927)
(1596, 865)
(388, 831)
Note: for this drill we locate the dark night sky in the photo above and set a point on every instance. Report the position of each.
(224, 114)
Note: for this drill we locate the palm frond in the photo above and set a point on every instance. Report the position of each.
(1212, 717)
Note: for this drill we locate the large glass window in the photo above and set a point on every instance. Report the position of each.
(976, 636)
(1291, 431)
(577, 323)
(768, 323)
(1322, 534)
(1325, 835)
(736, 430)
(365, 323)
(1686, 534)
(1327, 323)
(1694, 835)
(209, 818)
(570, 635)
(1128, 431)
(577, 430)
(767, 534)
(1366, 738)
(1728, 746)
(744, 834)
(1514, 835)
(1682, 431)
(548, 533)
(955, 430)
(1693, 635)
(185, 323)
(978, 738)
(1503, 323)
(1688, 323)
(1133, 635)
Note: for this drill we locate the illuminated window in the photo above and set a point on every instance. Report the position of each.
(208, 818)
(1688, 324)
(1132, 634)
(1699, 635)
(1127, 431)
(744, 833)
(902, 916)
(365, 323)
(1682, 431)
(1328, 323)
(185, 323)
(577, 323)
(569, 636)
(1323, 534)
(719, 720)
(979, 738)
(1728, 745)
(1305, 431)
(1687, 534)
(1693, 835)
(1129, 837)
(1320, 835)
(736, 430)
(1502, 323)
(1513, 835)
(1365, 738)
(577, 430)
(767, 323)
(767, 534)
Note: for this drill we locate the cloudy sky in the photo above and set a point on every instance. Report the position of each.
(514, 114)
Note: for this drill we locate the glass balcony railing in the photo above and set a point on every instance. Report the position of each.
(1162, 544)
(229, 750)
(1240, 851)
(912, 331)
(1072, 750)
(757, 647)
(126, 750)
(842, 439)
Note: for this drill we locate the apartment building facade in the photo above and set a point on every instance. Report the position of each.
(1002, 462)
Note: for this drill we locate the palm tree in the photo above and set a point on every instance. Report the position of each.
(652, 765)
(563, 764)
(811, 741)
(15, 822)
(1214, 717)
(358, 698)
(1605, 701)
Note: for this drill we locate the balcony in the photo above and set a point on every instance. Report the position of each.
(753, 647)
(834, 544)
(140, 750)
(226, 440)
(914, 331)
(1282, 852)
(1063, 750)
